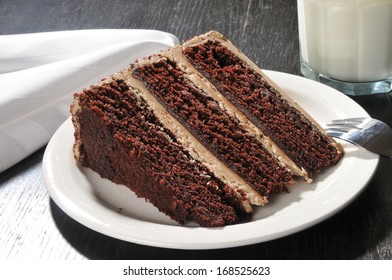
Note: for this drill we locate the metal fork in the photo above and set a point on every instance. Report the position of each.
(371, 134)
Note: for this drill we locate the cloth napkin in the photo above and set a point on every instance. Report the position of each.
(39, 73)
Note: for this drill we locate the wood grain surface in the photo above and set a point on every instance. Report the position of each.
(32, 226)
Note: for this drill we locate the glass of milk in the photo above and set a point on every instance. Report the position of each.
(347, 44)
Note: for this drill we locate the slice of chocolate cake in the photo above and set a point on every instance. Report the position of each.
(199, 131)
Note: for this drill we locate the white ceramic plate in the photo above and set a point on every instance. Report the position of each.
(115, 211)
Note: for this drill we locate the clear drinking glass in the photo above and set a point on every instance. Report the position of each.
(347, 44)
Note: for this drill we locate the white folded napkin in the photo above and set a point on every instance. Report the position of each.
(39, 73)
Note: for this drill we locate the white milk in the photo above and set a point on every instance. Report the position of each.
(348, 40)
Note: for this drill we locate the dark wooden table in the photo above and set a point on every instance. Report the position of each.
(32, 226)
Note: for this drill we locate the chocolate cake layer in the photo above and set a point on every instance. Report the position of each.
(262, 103)
(118, 136)
(217, 130)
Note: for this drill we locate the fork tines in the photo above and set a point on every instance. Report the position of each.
(344, 125)
(348, 121)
